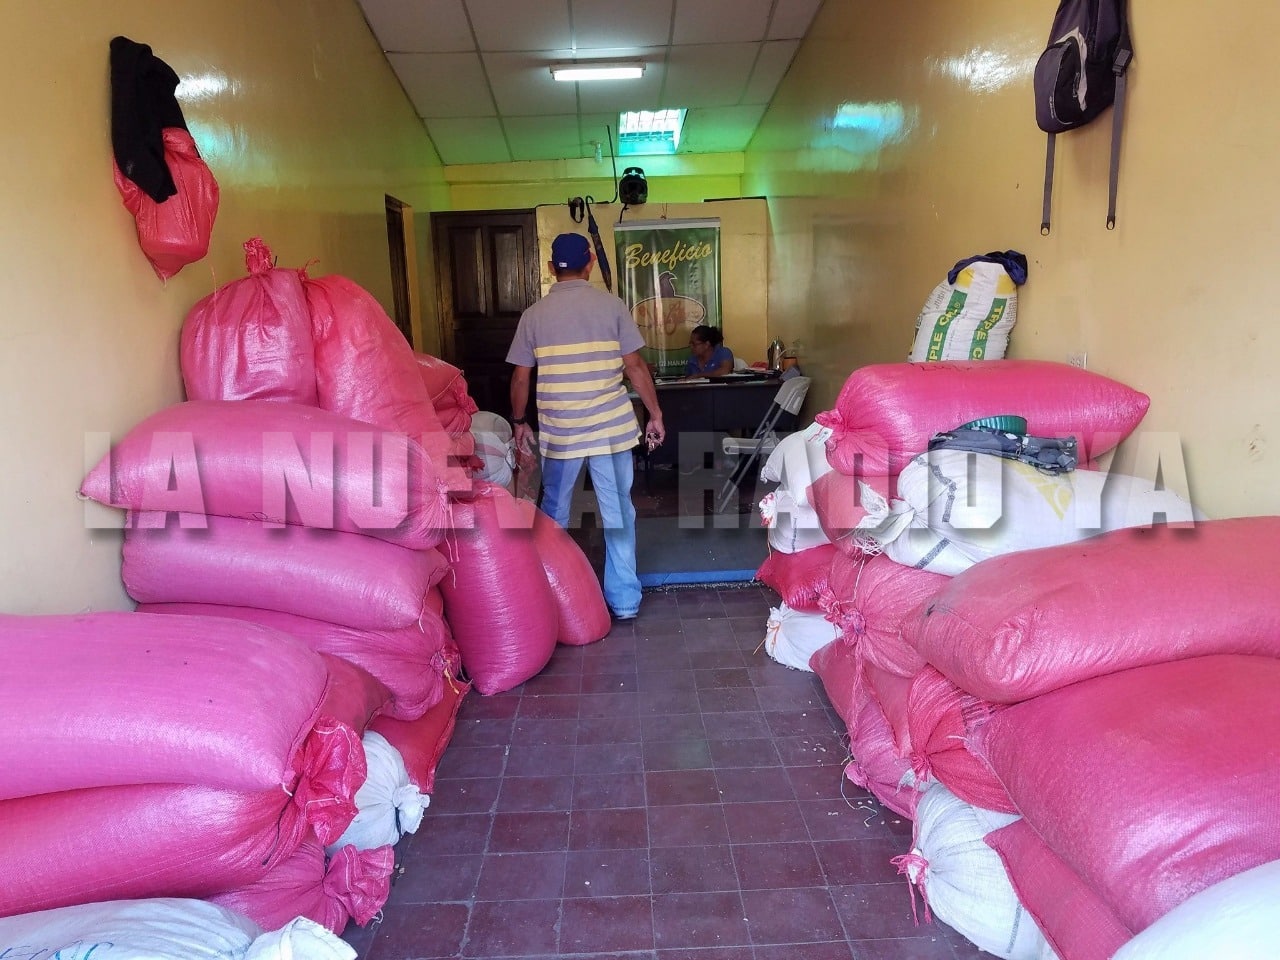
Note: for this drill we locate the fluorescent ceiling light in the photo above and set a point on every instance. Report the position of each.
(598, 70)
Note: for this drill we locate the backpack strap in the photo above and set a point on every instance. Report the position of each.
(1121, 67)
(1050, 150)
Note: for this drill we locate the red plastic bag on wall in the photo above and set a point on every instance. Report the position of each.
(176, 232)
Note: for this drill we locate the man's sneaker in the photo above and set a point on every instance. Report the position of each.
(623, 616)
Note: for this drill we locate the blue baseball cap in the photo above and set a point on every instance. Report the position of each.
(570, 251)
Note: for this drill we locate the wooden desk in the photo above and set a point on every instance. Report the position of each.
(709, 411)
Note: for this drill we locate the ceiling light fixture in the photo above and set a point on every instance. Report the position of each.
(598, 70)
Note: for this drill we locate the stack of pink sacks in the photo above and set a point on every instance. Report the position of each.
(179, 756)
(346, 355)
(281, 335)
(1119, 695)
(885, 415)
(294, 518)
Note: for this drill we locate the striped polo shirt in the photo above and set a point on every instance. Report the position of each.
(577, 336)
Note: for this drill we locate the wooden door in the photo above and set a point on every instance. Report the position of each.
(487, 262)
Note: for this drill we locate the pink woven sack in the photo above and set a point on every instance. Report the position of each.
(1152, 784)
(799, 578)
(365, 368)
(877, 765)
(870, 598)
(175, 232)
(328, 575)
(251, 339)
(1018, 626)
(126, 698)
(1077, 924)
(583, 614)
(412, 662)
(446, 386)
(278, 463)
(353, 886)
(940, 718)
(837, 500)
(354, 697)
(886, 413)
(498, 603)
(839, 669)
(890, 692)
(147, 840)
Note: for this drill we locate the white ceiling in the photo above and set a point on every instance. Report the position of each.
(477, 70)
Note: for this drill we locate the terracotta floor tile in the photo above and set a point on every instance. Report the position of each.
(692, 869)
(669, 793)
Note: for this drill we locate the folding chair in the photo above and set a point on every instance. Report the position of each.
(781, 416)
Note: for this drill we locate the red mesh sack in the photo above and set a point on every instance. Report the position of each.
(413, 662)
(147, 840)
(583, 613)
(126, 698)
(1152, 784)
(327, 575)
(886, 413)
(277, 463)
(176, 232)
(1078, 924)
(1018, 626)
(498, 602)
(422, 742)
(870, 599)
(251, 339)
(799, 578)
(353, 886)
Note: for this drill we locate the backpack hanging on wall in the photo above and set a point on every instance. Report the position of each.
(1079, 75)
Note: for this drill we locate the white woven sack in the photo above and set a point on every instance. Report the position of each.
(798, 460)
(792, 636)
(791, 527)
(964, 880)
(1235, 918)
(162, 929)
(956, 508)
(970, 319)
(387, 804)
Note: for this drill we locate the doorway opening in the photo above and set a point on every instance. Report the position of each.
(401, 258)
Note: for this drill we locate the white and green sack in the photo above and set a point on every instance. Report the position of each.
(970, 319)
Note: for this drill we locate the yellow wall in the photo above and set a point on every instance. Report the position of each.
(679, 179)
(305, 128)
(1178, 301)
(744, 287)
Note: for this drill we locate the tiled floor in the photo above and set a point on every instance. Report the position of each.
(667, 794)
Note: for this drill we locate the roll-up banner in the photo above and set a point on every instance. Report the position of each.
(669, 275)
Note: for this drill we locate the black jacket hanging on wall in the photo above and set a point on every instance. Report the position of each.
(142, 105)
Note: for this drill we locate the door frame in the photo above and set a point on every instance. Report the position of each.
(444, 271)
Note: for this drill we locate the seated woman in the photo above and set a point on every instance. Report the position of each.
(710, 358)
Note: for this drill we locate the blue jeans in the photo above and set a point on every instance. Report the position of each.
(611, 476)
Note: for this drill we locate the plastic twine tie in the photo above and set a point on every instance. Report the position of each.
(913, 866)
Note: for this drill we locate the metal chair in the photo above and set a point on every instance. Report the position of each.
(781, 417)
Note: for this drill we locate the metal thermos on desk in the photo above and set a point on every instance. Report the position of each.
(774, 355)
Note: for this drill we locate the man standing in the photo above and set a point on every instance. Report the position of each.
(582, 340)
